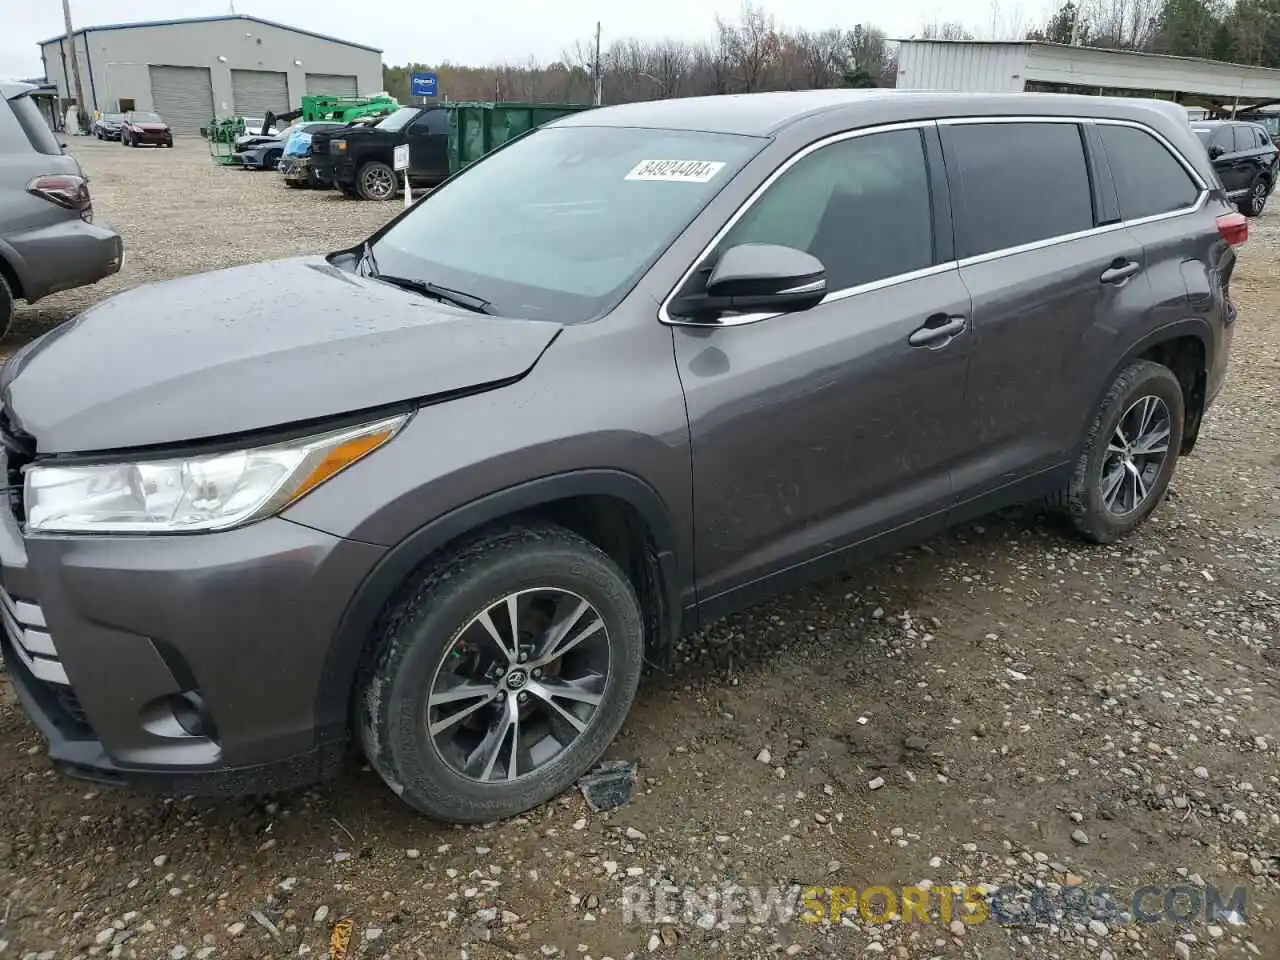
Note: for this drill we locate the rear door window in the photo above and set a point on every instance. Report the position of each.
(1244, 138)
(861, 206)
(1149, 179)
(34, 126)
(1016, 183)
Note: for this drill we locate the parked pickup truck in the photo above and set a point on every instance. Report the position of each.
(442, 139)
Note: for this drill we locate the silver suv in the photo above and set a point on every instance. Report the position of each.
(48, 240)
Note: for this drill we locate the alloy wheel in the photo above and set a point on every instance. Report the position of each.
(379, 183)
(1259, 199)
(1135, 455)
(518, 685)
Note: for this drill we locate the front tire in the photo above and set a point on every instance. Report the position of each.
(470, 720)
(1130, 454)
(376, 181)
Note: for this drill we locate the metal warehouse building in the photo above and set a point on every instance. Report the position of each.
(1057, 68)
(190, 71)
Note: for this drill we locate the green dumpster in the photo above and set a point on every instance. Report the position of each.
(477, 127)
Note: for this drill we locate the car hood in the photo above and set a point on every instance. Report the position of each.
(250, 348)
(150, 127)
(257, 140)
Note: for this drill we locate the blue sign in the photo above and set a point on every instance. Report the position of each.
(423, 85)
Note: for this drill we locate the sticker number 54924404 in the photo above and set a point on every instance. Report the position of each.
(680, 171)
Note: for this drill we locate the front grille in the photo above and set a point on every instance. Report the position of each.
(19, 450)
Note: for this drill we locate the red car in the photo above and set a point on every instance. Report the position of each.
(142, 127)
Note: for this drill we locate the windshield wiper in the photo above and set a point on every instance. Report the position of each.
(459, 298)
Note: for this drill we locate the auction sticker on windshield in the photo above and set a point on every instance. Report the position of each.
(680, 171)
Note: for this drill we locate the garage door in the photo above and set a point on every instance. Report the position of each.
(259, 92)
(183, 96)
(333, 84)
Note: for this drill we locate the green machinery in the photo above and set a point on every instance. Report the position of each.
(222, 134)
(346, 109)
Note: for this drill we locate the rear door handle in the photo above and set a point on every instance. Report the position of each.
(1120, 271)
(938, 329)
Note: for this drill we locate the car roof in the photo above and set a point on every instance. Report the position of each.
(767, 114)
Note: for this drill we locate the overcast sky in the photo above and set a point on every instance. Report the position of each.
(489, 31)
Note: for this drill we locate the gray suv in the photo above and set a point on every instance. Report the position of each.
(48, 240)
(443, 494)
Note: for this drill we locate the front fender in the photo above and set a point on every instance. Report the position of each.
(360, 618)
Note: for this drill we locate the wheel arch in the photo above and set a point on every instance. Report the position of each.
(618, 511)
(1185, 347)
(9, 272)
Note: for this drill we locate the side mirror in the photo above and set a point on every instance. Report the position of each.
(1215, 152)
(759, 278)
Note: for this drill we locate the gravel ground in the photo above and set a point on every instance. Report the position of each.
(1004, 709)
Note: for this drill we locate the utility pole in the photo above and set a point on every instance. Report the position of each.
(599, 71)
(81, 112)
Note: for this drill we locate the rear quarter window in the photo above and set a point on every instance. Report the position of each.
(1016, 183)
(31, 126)
(1149, 179)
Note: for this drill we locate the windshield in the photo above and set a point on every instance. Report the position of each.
(397, 120)
(113, 116)
(561, 224)
(146, 118)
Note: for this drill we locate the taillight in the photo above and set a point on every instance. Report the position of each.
(64, 189)
(1234, 228)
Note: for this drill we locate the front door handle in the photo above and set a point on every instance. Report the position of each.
(1120, 271)
(938, 329)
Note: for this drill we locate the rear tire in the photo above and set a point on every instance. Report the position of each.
(1129, 455)
(558, 695)
(376, 181)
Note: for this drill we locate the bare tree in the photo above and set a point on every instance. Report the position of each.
(751, 45)
(1122, 24)
(945, 31)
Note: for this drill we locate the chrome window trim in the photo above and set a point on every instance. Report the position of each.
(750, 202)
(747, 318)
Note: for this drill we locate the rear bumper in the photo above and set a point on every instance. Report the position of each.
(64, 256)
(1217, 374)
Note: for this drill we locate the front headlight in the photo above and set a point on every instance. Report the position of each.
(338, 146)
(189, 494)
